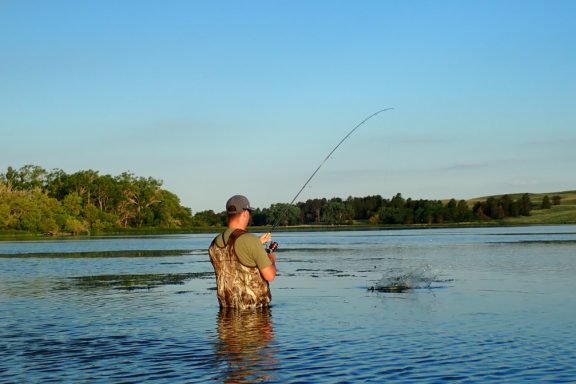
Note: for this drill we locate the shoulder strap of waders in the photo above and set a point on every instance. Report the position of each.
(232, 240)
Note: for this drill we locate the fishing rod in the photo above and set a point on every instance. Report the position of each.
(274, 245)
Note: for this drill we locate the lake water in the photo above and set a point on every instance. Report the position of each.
(424, 306)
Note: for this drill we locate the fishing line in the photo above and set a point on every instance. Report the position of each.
(285, 210)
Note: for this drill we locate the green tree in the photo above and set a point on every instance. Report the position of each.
(76, 226)
(284, 214)
(463, 213)
(451, 211)
(312, 210)
(208, 219)
(6, 193)
(104, 191)
(391, 215)
(72, 204)
(169, 213)
(139, 194)
(478, 211)
(505, 204)
(55, 184)
(336, 212)
(437, 211)
(546, 204)
(34, 211)
(259, 217)
(27, 178)
(397, 201)
(525, 205)
(365, 207)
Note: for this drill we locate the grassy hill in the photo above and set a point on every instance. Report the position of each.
(565, 213)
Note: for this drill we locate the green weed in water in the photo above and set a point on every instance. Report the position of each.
(136, 281)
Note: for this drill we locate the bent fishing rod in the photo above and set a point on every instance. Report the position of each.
(274, 245)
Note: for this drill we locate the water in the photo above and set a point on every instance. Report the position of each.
(476, 305)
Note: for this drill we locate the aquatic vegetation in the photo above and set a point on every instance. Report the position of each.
(135, 281)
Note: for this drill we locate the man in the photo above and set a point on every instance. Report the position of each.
(243, 267)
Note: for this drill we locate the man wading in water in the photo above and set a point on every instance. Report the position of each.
(243, 267)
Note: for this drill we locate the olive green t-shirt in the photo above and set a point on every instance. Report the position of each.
(249, 249)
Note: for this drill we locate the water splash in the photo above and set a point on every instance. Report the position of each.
(401, 280)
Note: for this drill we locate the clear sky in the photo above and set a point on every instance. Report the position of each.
(217, 98)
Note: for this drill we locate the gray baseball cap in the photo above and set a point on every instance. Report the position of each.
(237, 204)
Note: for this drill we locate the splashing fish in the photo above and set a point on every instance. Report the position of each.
(403, 280)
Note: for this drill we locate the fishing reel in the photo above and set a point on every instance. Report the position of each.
(272, 247)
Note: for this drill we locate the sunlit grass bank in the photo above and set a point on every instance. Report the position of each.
(564, 213)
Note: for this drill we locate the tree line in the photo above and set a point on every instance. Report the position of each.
(376, 210)
(35, 200)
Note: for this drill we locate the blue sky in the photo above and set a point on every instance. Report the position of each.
(217, 98)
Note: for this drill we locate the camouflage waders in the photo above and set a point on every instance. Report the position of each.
(237, 285)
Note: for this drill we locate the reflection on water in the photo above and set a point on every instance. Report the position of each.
(244, 338)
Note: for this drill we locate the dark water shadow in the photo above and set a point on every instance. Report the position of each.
(536, 242)
(403, 288)
(101, 254)
(403, 280)
(390, 288)
(243, 345)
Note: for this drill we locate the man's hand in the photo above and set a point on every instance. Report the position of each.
(265, 238)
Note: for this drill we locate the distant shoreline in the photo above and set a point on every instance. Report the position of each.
(14, 236)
